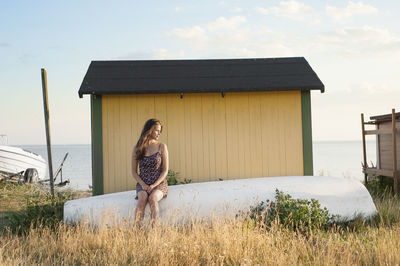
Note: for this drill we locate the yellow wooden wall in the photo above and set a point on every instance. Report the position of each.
(209, 137)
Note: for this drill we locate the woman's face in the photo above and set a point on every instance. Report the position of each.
(156, 132)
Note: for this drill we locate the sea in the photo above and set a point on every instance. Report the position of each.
(330, 158)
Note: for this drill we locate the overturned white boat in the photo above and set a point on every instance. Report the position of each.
(344, 197)
(15, 160)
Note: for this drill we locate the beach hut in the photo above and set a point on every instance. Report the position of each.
(224, 118)
(387, 146)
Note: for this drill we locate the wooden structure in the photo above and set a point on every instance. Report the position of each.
(388, 161)
(224, 119)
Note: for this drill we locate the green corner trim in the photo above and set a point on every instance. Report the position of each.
(97, 145)
(307, 132)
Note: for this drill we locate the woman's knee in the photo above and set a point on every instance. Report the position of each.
(155, 197)
(152, 201)
(142, 198)
(142, 202)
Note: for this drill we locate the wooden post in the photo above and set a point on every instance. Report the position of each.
(364, 148)
(47, 124)
(395, 175)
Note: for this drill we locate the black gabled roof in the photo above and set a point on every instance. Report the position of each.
(194, 76)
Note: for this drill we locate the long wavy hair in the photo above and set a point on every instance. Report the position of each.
(144, 139)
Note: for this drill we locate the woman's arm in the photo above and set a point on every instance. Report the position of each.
(165, 166)
(135, 171)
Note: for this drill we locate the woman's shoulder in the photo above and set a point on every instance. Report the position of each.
(162, 146)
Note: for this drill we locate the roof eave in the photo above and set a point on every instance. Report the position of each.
(161, 91)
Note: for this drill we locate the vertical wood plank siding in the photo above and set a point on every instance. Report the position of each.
(209, 137)
(386, 146)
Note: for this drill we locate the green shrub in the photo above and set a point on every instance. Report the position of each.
(291, 213)
(40, 210)
(172, 179)
(380, 186)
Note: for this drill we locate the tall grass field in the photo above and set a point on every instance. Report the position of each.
(32, 232)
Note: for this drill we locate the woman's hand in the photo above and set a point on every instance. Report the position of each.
(146, 188)
(151, 187)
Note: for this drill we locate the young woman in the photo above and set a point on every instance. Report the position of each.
(151, 156)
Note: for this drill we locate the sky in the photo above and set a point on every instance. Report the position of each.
(353, 46)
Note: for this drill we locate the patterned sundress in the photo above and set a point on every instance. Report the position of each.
(150, 170)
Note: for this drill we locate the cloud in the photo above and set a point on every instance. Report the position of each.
(135, 56)
(236, 10)
(162, 54)
(4, 45)
(360, 41)
(223, 23)
(370, 88)
(232, 37)
(177, 9)
(198, 37)
(195, 36)
(292, 10)
(352, 9)
(235, 37)
(230, 8)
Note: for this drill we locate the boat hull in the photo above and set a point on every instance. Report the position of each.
(14, 160)
(344, 197)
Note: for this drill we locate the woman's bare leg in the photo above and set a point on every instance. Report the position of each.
(140, 207)
(154, 198)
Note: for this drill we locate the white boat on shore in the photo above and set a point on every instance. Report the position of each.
(344, 197)
(14, 160)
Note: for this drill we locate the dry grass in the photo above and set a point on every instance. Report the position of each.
(13, 196)
(15, 199)
(218, 242)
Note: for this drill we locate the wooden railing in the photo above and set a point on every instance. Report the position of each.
(393, 173)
